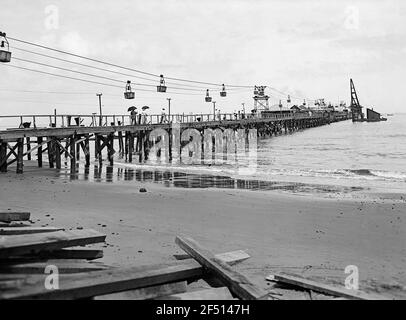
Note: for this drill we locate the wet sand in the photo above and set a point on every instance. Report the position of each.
(315, 237)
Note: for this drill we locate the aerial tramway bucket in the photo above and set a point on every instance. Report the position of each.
(129, 94)
(208, 98)
(5, 54)
(223, 92)
(162, 86)
(289, 101)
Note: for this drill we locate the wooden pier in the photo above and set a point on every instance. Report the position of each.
(59, 137)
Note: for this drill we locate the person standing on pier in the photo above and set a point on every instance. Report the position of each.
(133, 115)
(163, 116)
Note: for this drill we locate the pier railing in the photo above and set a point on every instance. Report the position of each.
(92, 120)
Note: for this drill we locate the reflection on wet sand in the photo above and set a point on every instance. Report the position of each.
(168, 178)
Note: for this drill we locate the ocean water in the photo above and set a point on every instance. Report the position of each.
(367, 155)
(343, 156)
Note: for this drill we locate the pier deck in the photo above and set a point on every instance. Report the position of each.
(67, 139)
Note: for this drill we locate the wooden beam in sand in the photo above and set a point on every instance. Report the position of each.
(324, 288)
(68, 253)
(32, 243)
(239, 285)
(64, 267)
(26, 230)
(152, 292)
(86, 285)
(231, 257)
(222, 293)
(8, 216)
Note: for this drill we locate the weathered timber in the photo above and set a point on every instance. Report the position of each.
(325, 288)
(239, 285)
(57, 152)
(72, 151)
(50, 144)
(23, 244)
(222, 293)
(152, 292)
(3, 157)
(39, 153)
(86, 150)
(105, 282)
(28, 153)
(110, 148)
(69, 253)
(231, 258)
(8, 216)
(64, 266)
(26, 230)
(66, 253)
(20, 152)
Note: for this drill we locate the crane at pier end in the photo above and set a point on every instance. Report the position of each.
(356, 109)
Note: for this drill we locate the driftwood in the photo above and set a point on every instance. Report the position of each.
(235, 281)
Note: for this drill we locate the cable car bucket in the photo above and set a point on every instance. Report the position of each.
(129, 94)
(223, 92)
(5, 54)
(207, 98)
(162, 86)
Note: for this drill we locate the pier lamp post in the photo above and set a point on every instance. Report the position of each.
(100, 109)
(214, 110)
(169, 108)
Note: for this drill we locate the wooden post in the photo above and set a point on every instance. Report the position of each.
(20, 153)
(87, 147)
(28, 148)
(50, 144)
(96, 146)
(73, 152)
(57, 150)
(39, 152)
(130, 146)
(110, 148)
(77, 151)
(126, 144)
(3, 157)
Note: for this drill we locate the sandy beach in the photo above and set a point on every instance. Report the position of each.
(315, 237)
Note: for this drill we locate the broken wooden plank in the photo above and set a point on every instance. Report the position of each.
(86, 285)
(325, 288)
(231, 257)
(221, 293)
(64, 267)
(68, 253)
(8, 216)
(27, 230)
(152, 292)
(239, 285)
(32, 243)
(14, 224)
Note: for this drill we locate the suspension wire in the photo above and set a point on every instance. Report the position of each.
(102, 69)
(97, 76)
(90, 81)
(122, 67)
(140, 71)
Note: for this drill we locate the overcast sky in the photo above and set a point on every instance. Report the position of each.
(306, 48)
